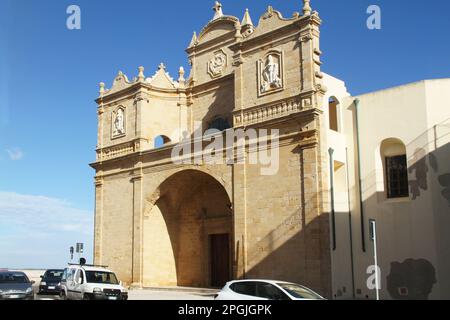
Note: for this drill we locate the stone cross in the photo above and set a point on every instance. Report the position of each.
(218, 10)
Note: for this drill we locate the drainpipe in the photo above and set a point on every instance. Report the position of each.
(333, 211)
(361, 205)
(352, 258)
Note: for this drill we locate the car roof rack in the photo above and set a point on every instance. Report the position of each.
(88, 265)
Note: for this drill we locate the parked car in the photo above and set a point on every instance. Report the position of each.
(266, 290)
(15, 286)
(87, 282)
(51, 282)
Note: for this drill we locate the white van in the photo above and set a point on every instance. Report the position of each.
(86, 282)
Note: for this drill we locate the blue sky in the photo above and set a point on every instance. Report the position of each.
(49, 79)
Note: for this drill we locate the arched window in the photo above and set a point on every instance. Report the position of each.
(161, 141)
(393, 154)
(333, 111)
(220, 124)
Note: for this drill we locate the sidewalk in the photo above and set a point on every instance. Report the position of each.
(171, 294)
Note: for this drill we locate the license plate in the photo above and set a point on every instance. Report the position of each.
(112, 298)
(51, 288)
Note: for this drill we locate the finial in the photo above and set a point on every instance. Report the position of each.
(102, 87)
(218, 10)
(307, 7)
(162, 66)
(141, 76)
(194, 40)
(181, 73)
(181, 79)
(120, 73)
(247, 20)
(247, 25)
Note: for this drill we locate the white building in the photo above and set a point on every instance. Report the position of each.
(390, 151)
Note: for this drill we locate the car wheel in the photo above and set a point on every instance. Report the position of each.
(62, 295)
(86, 297)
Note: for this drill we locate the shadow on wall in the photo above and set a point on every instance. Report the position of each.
(295, 252)
(411, 280)
(429, 184)
(297, 249)
(219, 114)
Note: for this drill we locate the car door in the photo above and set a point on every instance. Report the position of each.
(70, 283)
(245, 290)
(78, 283)
(64, 279)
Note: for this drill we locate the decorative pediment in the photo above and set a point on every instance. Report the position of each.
(218, 27)
(272, 19)
(162, 79)
(120, 82)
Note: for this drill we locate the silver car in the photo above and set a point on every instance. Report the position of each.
(15, 286)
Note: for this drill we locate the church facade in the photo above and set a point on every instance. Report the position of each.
(197, 223)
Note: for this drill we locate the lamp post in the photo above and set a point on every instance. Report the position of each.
(373, 236)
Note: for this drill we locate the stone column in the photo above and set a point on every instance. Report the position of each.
(137, 266)
(98, 254)
(138, 102)
(238, 81)
(239, 221)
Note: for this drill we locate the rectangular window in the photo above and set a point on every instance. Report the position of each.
(397, 177)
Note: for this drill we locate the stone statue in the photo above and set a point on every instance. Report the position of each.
(271, 75)
(119, 123)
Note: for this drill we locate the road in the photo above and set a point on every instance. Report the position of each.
(148, 295)
(139, 294)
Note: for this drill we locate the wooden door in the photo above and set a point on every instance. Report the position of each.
(220, 259)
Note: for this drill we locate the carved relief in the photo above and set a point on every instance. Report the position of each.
(217, 64)
(270, 73)
(118, 123)
(269, 112)
(117, 151)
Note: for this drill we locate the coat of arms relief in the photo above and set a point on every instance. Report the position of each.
(217, 65)
(270, 73)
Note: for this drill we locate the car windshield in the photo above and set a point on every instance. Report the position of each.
(13, 278)
(54, 274)
(101, 277)
(300, 292)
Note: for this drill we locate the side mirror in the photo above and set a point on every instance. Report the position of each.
(42, 277)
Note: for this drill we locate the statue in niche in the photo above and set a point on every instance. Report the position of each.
(119, 123)
(271, 75)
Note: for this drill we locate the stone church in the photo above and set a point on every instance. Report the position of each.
(163, 223)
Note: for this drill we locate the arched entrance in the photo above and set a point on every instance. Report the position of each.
(188, 233)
